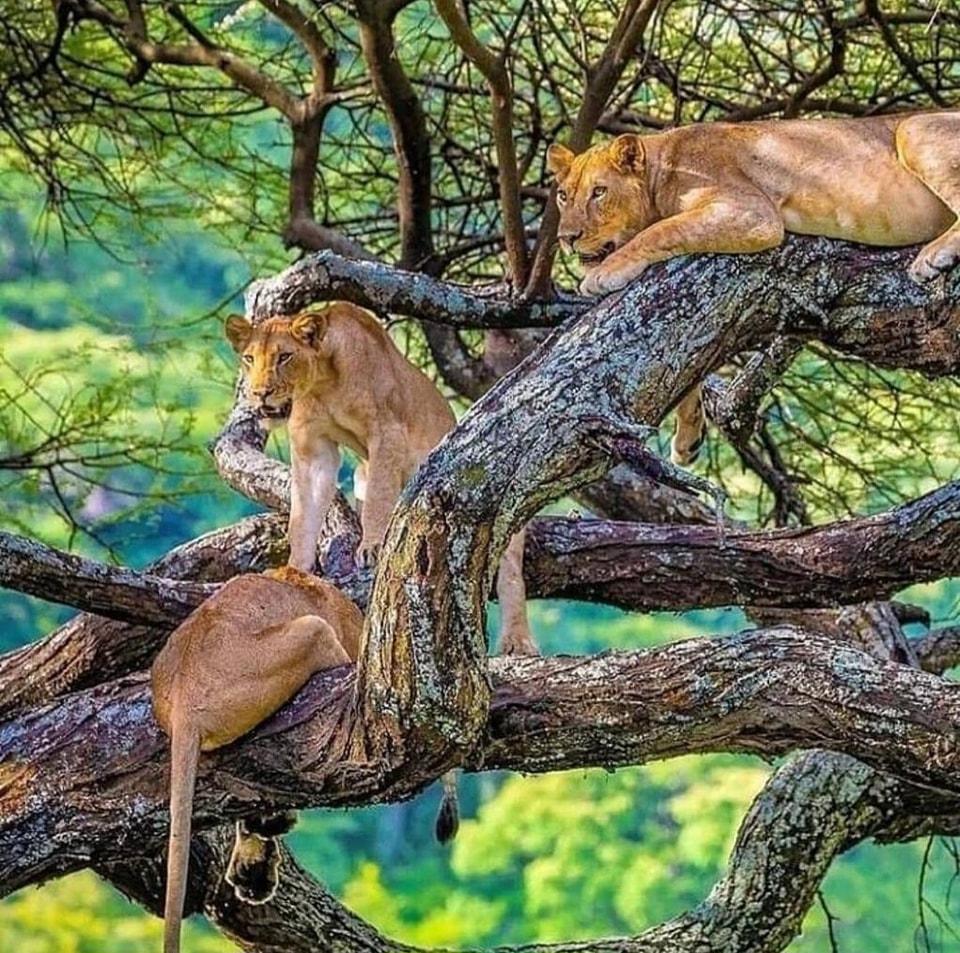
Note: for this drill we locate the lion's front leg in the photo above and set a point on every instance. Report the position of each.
(928, 145)
(313, 468)
(719, 223)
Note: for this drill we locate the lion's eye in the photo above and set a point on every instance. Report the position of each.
(561, 197)
(283, 357)
(247, 359)
(599, 191)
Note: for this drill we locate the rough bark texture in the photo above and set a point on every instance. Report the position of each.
(629, 564)
(327, 276)
(83, 777)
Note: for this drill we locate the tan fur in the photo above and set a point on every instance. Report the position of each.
(343, 383)
(717, 187)
(234, 661)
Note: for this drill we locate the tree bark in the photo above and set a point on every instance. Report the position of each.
(84, 782)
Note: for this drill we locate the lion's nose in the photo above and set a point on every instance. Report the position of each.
(569, 238)
(260, 392)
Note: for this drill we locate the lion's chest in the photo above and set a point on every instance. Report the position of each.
(325, 416)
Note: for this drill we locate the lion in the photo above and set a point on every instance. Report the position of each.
(235, 660)
(338, 380)
(721, 187)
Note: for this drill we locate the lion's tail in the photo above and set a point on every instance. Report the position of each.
(184, 758)
(448, 814)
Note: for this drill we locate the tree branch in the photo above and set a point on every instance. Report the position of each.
(547, 714)
(494, 71)
(633, 565)
(382, 288)
(668, 567)
(408, 125)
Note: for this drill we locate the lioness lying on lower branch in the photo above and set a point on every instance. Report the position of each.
(235, 660)
(337, 379)
(718, 187)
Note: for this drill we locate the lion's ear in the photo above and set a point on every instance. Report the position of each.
(238, 330)
(309, 327)
(559, 160)
(626, 153)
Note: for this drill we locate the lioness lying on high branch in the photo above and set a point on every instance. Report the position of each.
(235, 660)
(338, 380)
(717, 187)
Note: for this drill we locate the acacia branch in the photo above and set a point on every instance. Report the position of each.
(649, 568)
(543, 432)
(494, 70)
(734, 407)
(633, 565)
(115, 592)
(408, 126)
(547, 714)
(133, 37)
(329, 277)
(812, 809)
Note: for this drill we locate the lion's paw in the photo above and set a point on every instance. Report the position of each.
(518, 641)
(595, 285)
(605, 278)
(367, 554)
(935, 259)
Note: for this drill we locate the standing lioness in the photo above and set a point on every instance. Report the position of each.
(337, 379)
(717, 187)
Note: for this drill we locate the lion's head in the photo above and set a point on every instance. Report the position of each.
(276, 356)
(602, 195)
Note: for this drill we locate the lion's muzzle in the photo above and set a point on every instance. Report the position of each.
(595, 257)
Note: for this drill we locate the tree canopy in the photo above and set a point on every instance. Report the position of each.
(397, 150)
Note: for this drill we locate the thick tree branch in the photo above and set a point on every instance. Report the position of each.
(817, 805)
(94, 763)
(813, 808)
(379, 287)
(115, 592)
(868, 306)
(543, 432)
(633, 565)
(667, 567)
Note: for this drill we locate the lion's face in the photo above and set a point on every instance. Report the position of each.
(602, 196)
(276, 357)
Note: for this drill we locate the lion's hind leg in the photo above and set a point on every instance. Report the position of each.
(929, 146)
(515, 635)
(689, 429)
(254, 868)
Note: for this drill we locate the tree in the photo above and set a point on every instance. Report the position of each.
(470, 105)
